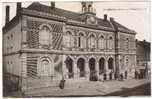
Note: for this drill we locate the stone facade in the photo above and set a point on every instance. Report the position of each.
(143, 54)
(55, 47)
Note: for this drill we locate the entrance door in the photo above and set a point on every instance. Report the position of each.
(93, 76)
(101, 65)
(69, 65)
(81, 66)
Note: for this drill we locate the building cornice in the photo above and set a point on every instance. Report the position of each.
(62, 52)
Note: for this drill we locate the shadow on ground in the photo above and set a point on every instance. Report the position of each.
(142, 90)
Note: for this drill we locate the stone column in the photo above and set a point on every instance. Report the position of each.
(64, 69)
(97, 68)
(87, 70)
(114, 69)
(106, 69)
(24, 39)
(75, 69)
(24, 84)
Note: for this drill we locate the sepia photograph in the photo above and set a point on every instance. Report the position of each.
(76, 49)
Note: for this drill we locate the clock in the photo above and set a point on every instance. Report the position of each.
(91, 20)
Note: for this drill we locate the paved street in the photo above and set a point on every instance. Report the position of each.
(107, 88)
(88, 88)
(142, 90)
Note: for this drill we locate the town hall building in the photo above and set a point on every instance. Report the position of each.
(44, 43)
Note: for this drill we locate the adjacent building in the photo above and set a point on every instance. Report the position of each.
(143, 55)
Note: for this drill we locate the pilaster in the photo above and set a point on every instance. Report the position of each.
(24, 72)
(97, 68)
(64, 69)
(75, 69)
(87, 70)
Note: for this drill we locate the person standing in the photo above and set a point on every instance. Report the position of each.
(126, 74)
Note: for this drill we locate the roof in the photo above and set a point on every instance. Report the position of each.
(64, 13)
(123, 28)
(105, 24)
(144, 43)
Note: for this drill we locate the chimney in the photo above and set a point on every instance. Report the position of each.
(7, 14)
(18, 7)
(105, 17)
(52, 5)
(111, 19)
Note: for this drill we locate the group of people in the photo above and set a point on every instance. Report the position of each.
(140, 74)
(123, 76)
(114, 76)
(103, 77)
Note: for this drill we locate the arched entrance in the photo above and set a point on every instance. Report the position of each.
(81, 66)
(110, 63)
(45, 67)
(101, 65)
(69, 66)
(110, 67)
(93, 76)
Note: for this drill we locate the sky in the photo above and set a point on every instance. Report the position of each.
(134, 15)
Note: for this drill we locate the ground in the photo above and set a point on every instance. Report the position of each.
(142, 90)
(130, 87)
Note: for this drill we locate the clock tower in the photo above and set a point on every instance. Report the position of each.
(88, 13)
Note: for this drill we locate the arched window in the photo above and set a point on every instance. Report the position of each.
(101, 42)
(68, 39)
(44, 68)
(44, 37)
(81, 41)
(101, 65)
(110, 43)
(69, 66)
(110, 63)
(83, 8)
(89, 8)
(81, 66)
(91, 41)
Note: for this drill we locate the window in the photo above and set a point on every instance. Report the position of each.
(126, 61)
(11, 36)
(101, 42)
(44, 37)
(68, 39)
(81, 41)
(92, 41)
(110, 43)
(89, 8)
(127, 43)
